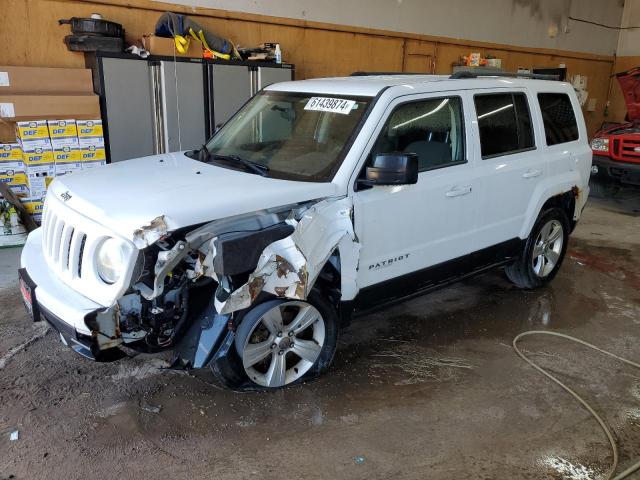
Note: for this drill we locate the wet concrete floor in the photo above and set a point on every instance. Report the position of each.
(429, 388)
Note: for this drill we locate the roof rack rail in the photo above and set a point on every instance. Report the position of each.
(536, 76)
(373, 74)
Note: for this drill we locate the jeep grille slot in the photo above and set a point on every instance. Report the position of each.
(68, 251)
(82, 241)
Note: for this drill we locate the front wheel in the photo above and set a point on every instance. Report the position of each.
(284, 342)
(543, 252)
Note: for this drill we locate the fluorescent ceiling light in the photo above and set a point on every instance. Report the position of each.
(439, 107)
(495, 111)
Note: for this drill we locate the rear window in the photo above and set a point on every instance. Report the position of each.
(504, 122)
(558, 117)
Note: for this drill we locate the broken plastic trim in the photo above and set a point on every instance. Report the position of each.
(149, 234)
(197, 239)
(289, 267)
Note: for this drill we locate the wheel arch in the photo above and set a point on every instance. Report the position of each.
(569, 198)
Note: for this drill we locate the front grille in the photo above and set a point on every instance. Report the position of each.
(62, 243)
(628, 151)
(70, 241)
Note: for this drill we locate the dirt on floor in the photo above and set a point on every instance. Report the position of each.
(430, 388)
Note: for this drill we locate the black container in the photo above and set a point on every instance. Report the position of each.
(93, 26)
(93, 43)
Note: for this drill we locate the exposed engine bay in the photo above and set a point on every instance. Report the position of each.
(184, 280)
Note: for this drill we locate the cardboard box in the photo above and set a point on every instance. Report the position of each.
(39, 177)
(36, 155)
(15, 180)
(67, 168)
(94, 164)
(91, 153)
(33, 205)
(11, 157)
(32, 135)
(166, 47)
(66, 154)
(85, 142)
(8, 132)
(90, 133)
(63, 133)
(39, 80)
(35, 107)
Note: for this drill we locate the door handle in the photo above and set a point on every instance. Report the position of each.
(458, 191)
(531, 173)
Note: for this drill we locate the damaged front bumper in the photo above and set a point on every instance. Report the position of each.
(91, 329)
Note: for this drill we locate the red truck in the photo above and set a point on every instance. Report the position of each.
(616, 149)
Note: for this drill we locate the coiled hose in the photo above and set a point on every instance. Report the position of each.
(605, 428)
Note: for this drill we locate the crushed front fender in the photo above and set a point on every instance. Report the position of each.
(288, 268)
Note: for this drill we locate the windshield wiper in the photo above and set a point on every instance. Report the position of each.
(255, 167)
(205, 156)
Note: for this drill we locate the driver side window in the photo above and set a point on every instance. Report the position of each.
(431, 128)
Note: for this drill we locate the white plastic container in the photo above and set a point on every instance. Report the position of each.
(278, 53)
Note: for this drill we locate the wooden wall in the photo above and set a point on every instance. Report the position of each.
(31, 35)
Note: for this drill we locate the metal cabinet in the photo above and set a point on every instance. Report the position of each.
(127, 108)
(265, 76)
(180, 103)
(229, 88)
(161, 104)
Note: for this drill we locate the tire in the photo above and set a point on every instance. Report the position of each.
(284, 342)
(533, 271)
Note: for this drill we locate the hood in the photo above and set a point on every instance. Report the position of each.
(630, 85)
(127, 196)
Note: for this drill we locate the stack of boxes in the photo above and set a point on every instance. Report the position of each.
(35, 145)
(37, 155)
(66, 149)
(47, 149)
(91, 142)
(12, 171)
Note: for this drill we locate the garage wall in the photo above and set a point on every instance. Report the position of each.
(316, 48)
(517, 22)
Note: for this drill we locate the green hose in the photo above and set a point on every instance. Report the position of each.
(605, 428)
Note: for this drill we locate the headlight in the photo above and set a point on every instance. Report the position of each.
(600, 144)
(111, 260)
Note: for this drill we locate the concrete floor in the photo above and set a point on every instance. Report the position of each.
(381, 412)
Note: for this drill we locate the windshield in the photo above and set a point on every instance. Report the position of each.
(297, 136)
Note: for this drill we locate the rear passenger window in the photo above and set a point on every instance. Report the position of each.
(504, 122)
(558, 117)
(431, 128)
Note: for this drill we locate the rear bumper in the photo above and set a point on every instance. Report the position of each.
(61, 306)
(623, 172)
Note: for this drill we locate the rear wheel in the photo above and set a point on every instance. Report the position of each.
(543, 252)
(283, 342)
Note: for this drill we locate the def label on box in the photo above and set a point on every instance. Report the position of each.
(33, 134)
(63, 133)
(92, 153)
(36, 155)
(11, 156)
(66, 154)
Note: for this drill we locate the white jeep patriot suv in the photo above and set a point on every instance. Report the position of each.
(318, 199)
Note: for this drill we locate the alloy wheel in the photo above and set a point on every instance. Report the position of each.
(284, 344)
(547, 248)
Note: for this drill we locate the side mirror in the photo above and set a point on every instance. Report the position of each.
(393, 169)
